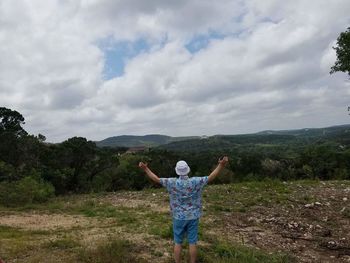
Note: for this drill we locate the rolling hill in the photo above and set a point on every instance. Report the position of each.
(151, 140)
(339, 134)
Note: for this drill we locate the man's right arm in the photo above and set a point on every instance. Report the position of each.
(222, 162)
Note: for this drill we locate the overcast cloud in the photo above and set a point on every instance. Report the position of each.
(189, 67)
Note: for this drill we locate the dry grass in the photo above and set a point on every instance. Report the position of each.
(248, 222)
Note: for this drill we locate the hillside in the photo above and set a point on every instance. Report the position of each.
(151, 140)
(336, 135)
(340, 134)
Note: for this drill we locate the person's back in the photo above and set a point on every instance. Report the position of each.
(185, 203)
(185, 196)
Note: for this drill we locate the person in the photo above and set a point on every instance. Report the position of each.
(185, 203)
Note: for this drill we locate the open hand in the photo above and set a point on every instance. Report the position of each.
(143, 165)
(223, 160)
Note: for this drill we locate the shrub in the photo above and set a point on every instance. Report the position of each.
(25, 191)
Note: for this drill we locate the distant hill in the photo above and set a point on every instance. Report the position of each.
(339, 135)
(268, 138)
(312, 132)
(151, 140)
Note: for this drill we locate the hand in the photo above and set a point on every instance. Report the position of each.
(223, 160)
(143, 165)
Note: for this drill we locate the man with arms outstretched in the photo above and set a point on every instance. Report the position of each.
(185, 203)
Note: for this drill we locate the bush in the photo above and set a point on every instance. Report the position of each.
(25, 191)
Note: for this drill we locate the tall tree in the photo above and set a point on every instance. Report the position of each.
(11, 121)
(80, 152)
(343, 53)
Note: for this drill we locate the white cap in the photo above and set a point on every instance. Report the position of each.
(182, 168)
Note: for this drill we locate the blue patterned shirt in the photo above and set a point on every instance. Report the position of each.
(185, 196)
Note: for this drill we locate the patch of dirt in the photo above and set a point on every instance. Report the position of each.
(155, 201)
(313, 224)
(33, 221)
(315, 231)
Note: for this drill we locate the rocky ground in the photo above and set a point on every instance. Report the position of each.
(307, 220)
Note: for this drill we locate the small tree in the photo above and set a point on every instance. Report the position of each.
(343, 53)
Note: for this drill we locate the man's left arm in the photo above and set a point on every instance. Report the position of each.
(149, 173)
(221, 164)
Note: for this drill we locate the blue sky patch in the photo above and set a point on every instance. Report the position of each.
(201, 41)
(117, 53)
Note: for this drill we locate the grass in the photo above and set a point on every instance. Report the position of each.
(154, 225)
(113, 250)
(242, 197)
(222, 252)
(62, 243)
(15, 241)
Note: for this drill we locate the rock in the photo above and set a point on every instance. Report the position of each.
(331, 244)
(154, 194)
(343, 209)
(345, 199)
(309, 205)
(318, 203)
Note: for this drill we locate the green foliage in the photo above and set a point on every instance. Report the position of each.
(7, 171)
(11, 121)
(25, 191)
(77, 165)
(343, 53)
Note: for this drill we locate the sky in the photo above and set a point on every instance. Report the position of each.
(101, 68)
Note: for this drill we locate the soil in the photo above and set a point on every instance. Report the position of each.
(315, 230)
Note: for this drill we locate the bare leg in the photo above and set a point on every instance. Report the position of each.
(193, 253)
(177, 253)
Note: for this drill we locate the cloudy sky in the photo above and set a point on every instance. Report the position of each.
(99, 68)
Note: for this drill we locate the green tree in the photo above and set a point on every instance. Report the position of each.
(343, 53)
(80, 152)
(11, 121)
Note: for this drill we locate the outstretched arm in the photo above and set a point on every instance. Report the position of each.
(222, 162)
(149, 173)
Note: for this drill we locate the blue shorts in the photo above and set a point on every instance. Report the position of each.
(182, 227)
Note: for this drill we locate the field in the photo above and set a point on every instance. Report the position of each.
(270, 221)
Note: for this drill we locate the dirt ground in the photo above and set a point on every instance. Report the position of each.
(312, 224)
(314, 231)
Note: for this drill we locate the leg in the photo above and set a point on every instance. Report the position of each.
(193, 238)
(178, 229)
(193, 252)
(177, 253)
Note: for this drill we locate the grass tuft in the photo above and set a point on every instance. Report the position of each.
(111, 251)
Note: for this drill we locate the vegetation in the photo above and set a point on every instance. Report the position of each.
(343, 53)
(31, 170)
(266, 221)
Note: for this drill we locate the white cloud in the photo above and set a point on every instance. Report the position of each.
(268, 70)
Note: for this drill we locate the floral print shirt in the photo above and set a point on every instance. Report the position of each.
(185, 196)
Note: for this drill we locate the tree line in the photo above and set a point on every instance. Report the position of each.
(32, 170)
